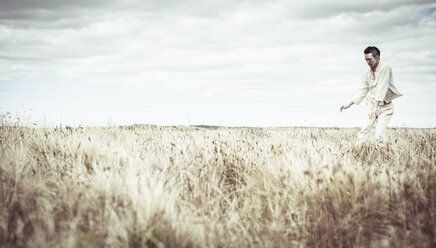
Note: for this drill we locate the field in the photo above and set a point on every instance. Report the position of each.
(151, 186)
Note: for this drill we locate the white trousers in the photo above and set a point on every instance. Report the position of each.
(383, 116)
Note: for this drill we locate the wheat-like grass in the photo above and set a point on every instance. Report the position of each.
(148, 186)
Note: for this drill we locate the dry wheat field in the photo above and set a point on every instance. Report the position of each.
(152, 186)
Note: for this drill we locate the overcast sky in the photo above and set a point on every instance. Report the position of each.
(221, 62)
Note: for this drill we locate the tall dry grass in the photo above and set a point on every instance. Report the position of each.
(196, 187)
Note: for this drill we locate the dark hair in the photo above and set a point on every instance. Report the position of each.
(372, 49)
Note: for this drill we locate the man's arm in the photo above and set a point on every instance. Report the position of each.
(346, 105)
(361, 94)
(362, 91)
(382, 89)
(373, 112)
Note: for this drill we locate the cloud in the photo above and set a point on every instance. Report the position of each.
(325, 9)
(268, 48)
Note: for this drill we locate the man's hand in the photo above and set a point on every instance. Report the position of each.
(346, 106)
(373, 113)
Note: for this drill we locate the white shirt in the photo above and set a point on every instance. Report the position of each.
(378, 87)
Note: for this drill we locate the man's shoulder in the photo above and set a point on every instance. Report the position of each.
(384, 67)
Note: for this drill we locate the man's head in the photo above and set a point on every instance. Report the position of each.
(372, 56)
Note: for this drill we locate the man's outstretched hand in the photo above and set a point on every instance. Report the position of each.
(346, 106)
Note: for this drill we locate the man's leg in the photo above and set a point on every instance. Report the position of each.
(385, 115)
(363, 134)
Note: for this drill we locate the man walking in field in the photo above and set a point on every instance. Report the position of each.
(377, 83)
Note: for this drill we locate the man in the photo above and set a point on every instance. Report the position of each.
(377, 83)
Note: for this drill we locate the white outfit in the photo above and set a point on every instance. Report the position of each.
(378, 87)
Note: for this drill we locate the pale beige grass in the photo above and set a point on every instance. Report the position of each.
(196, 187)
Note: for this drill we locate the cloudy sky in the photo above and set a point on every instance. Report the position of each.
(218, 62)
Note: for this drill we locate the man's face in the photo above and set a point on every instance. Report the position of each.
(372, 62)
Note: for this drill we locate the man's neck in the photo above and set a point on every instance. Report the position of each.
(374, 69)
